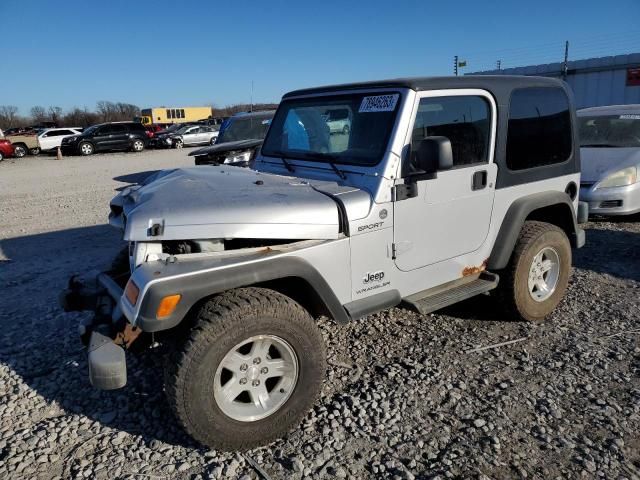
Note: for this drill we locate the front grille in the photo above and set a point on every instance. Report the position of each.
(611, 204)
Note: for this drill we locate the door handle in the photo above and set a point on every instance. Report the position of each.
(479, 180)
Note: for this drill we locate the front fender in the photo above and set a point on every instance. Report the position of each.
(198, 278)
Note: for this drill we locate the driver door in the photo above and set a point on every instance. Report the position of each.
(450, 214)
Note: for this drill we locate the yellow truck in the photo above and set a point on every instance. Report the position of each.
(168, 115)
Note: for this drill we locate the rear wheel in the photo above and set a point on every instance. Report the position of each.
(1, 156)
(86, 148)
(19, 151)
(345, 130)
(249, 370)
(213, 141)
(137, 145)
(35, 151)
(537, 276)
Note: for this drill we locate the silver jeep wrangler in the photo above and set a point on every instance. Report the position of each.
(441, 189)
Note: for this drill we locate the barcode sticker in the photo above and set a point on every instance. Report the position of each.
(379, 103)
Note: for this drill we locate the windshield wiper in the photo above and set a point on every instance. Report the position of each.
(283, 157)
(330, 159)
(339, 172)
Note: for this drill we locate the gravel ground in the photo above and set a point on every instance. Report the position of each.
(404, 398)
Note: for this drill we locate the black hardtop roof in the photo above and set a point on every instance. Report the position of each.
(259, 113)
(486, 82)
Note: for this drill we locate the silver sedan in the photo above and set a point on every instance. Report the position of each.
(610, 156)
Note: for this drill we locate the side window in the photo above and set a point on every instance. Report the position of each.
(182, 113)
(464, 120)
(168, 113)
(539, 131)
(118, 129)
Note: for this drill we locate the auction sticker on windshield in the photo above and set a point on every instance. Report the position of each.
(379, 103)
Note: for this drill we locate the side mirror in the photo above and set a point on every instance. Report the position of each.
(434, 154)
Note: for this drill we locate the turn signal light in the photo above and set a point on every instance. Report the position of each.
(167, 305)
(131, 291)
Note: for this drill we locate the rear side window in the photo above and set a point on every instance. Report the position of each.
(464, 120)
(539, 131)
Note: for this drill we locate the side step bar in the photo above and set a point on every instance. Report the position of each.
(431, 300)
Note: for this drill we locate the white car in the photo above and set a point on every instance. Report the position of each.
(194, 135)
(51, 138)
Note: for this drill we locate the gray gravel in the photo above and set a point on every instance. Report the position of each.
(402, 399)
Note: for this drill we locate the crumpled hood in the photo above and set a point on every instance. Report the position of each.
(226, 147)
(597, 163)
(233, 202)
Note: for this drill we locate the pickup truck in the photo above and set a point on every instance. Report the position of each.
(25, 143)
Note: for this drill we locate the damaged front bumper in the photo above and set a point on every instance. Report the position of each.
(107, 332)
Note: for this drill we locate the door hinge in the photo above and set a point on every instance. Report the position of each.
(394, 251)
(404, 191)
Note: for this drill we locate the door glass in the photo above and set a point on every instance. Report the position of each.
(464, 120)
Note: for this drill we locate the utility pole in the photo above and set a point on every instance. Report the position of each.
(455, 65)
(565, 66)
(251, 101)
(499, 64)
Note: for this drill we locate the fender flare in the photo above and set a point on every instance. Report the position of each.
(518, 213)
(197, 286)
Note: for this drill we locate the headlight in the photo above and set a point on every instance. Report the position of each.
(70, 139)
(168, 140)
(621, 178)
(243, 157)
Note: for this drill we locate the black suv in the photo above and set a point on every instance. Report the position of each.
(106, 137)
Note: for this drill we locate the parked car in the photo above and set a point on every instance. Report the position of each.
(240, 138)
(445, 189)
(25, 143)
(610, 149)
(159, 139)
(107, 137)
(338, 120)
(6, 149)
(51, 138)
(192, 135)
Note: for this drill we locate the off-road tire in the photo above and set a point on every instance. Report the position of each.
(220, 324)
(19, 151)
(513, 290)
(86, 151)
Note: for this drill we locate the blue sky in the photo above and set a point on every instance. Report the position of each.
(151, 53)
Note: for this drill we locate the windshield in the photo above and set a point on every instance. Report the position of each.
(351, 129)
(183, 130)
(610, 131)
(244, 128)
(91, 129)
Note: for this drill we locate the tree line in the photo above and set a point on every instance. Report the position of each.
(76, 117)
(104, 112)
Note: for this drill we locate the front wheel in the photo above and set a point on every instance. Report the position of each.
(35, 151)
(178, 144)
(213, 141)
(1, 157)
(536, 278)
(249, 371)
(137, 145)
(86, 148)
(19, 151)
